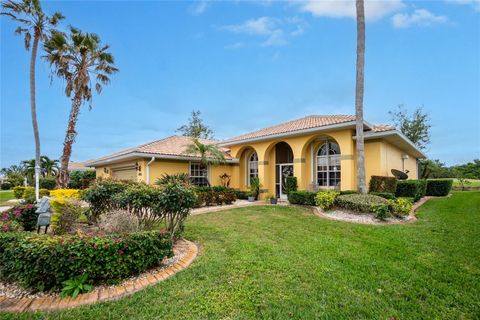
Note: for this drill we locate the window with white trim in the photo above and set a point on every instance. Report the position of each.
(328, 165)
(252, 166)
(198, 174)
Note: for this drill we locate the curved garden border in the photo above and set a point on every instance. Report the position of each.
(56, 303)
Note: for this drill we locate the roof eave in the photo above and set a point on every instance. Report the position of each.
(135, 155)
(383, 134)
(293, 133)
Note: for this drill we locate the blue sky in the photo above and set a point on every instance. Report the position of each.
(248, 65)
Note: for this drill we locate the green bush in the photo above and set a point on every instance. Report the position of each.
(383, 184)
(302, 197)
(291, 184)
(47, 183)
(100, 196)
(6, 186)
(255, 186)
(18, 192)
(400, 207)
(44, 262)
(348, 192)
(29, 193)
(326, 199)
(241, 194)
(216, 195)
(386, 195)
(65, 214)
(81, 179)
(360, 202)
(381, 212)
(439, 188)
(415, 189)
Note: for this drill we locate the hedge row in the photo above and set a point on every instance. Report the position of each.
(361, 202)
(439, 188)
(383, 184)
(415, 189)
(302, 197)
(216, 195)
(43, 262)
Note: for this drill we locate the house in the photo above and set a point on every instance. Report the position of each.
(318, 150)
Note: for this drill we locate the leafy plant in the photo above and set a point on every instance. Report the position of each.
(5, 186)
(360, 202)
(65, 193)
(386, 195)
(81, 179)
(18, 192)
(400, 207)
(73, 287)
(291, 184)
(302, 197)
(66, 214)
(381, 212)
(326, 199)
(255, 187)
(100, 196)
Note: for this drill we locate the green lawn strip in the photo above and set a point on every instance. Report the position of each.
(284, 262)
(4, 196)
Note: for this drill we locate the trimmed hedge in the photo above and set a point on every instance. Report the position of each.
(302, 197)
(386, 195)
(382, 184)
(6, 186)
(439, 188)
(47, 183)
(216, 195)
(361, 202)
(43, 262)
(415, 189)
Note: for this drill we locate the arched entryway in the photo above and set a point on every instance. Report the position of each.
(283, 168)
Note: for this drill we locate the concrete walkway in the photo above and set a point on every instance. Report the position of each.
(236, 204)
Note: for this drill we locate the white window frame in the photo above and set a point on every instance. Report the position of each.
(193, 177)
(336, 157)
(249, 166)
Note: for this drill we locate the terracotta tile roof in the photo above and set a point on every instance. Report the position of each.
(78, 166)
(308, 122)
(382, 128)
(171, 146)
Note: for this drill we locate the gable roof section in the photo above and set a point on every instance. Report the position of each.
(298, 125)
(168, 148)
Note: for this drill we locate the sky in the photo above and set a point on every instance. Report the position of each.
(247, 65)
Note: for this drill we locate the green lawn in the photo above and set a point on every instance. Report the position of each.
(474, 183)
(281, 263)
(4, 196)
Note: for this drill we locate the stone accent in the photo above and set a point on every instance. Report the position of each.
(299, 160)
(55, 303)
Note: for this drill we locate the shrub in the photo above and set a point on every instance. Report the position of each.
(439, 188)
(18, 192)
(360, 202)
(100, 196)
(241, 194)
(381, 212)
(173, 178)
(302, 198)
(207, 196)
(81, 179)
(291, 184)
(24, 215)
(400, 207)
(255, 187)
(9, 222)
(326, 199)
(65, 213)
(6, 186)
(348, 192)
(386, 195)
(44, 262)
(65, 193)
(119, 221)
(383, 184)
(29, 193)
(415, 189)
(47, 183)
(73, 287)
(175, 203)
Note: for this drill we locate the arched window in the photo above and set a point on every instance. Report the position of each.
(328, 165)
(252, 166)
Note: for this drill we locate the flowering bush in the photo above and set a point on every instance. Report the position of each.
(65, 193)
(400, 207)
(8, 222)
(19, 216)
(326, 199)
(44, 262)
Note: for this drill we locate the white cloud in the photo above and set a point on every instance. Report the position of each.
(198, 7)
(374, 9)
(419, 17)
(474, 3)
(276, 31)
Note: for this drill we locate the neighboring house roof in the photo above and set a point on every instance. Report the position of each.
(173, 147)
(78, 166)
(298, 125)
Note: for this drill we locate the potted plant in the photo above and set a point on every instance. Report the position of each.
(254, 189)
(271, 199)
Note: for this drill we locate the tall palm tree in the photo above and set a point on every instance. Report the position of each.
(32, 21)
(29, 169)
(208, 153)
(49, 166)
(359, 90)
(79, 58)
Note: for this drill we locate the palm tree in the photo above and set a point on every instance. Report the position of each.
(77, 58)
(359, 89)
(208, 153)
(33, 21)
(29, 169)
(49, 166)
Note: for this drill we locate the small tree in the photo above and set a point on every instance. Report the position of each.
(415, 127)
(196, 128)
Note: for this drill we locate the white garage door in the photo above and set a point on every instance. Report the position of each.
(125, 173)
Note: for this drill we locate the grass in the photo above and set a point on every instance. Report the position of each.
(4, 196)
(278, 262)
(473, 183)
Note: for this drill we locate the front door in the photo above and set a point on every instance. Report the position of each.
(286, 170)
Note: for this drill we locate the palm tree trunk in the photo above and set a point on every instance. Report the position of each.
(33, 109)
(359, 90)
(63, 176)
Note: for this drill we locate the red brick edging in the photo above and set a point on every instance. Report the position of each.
(56, 303)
